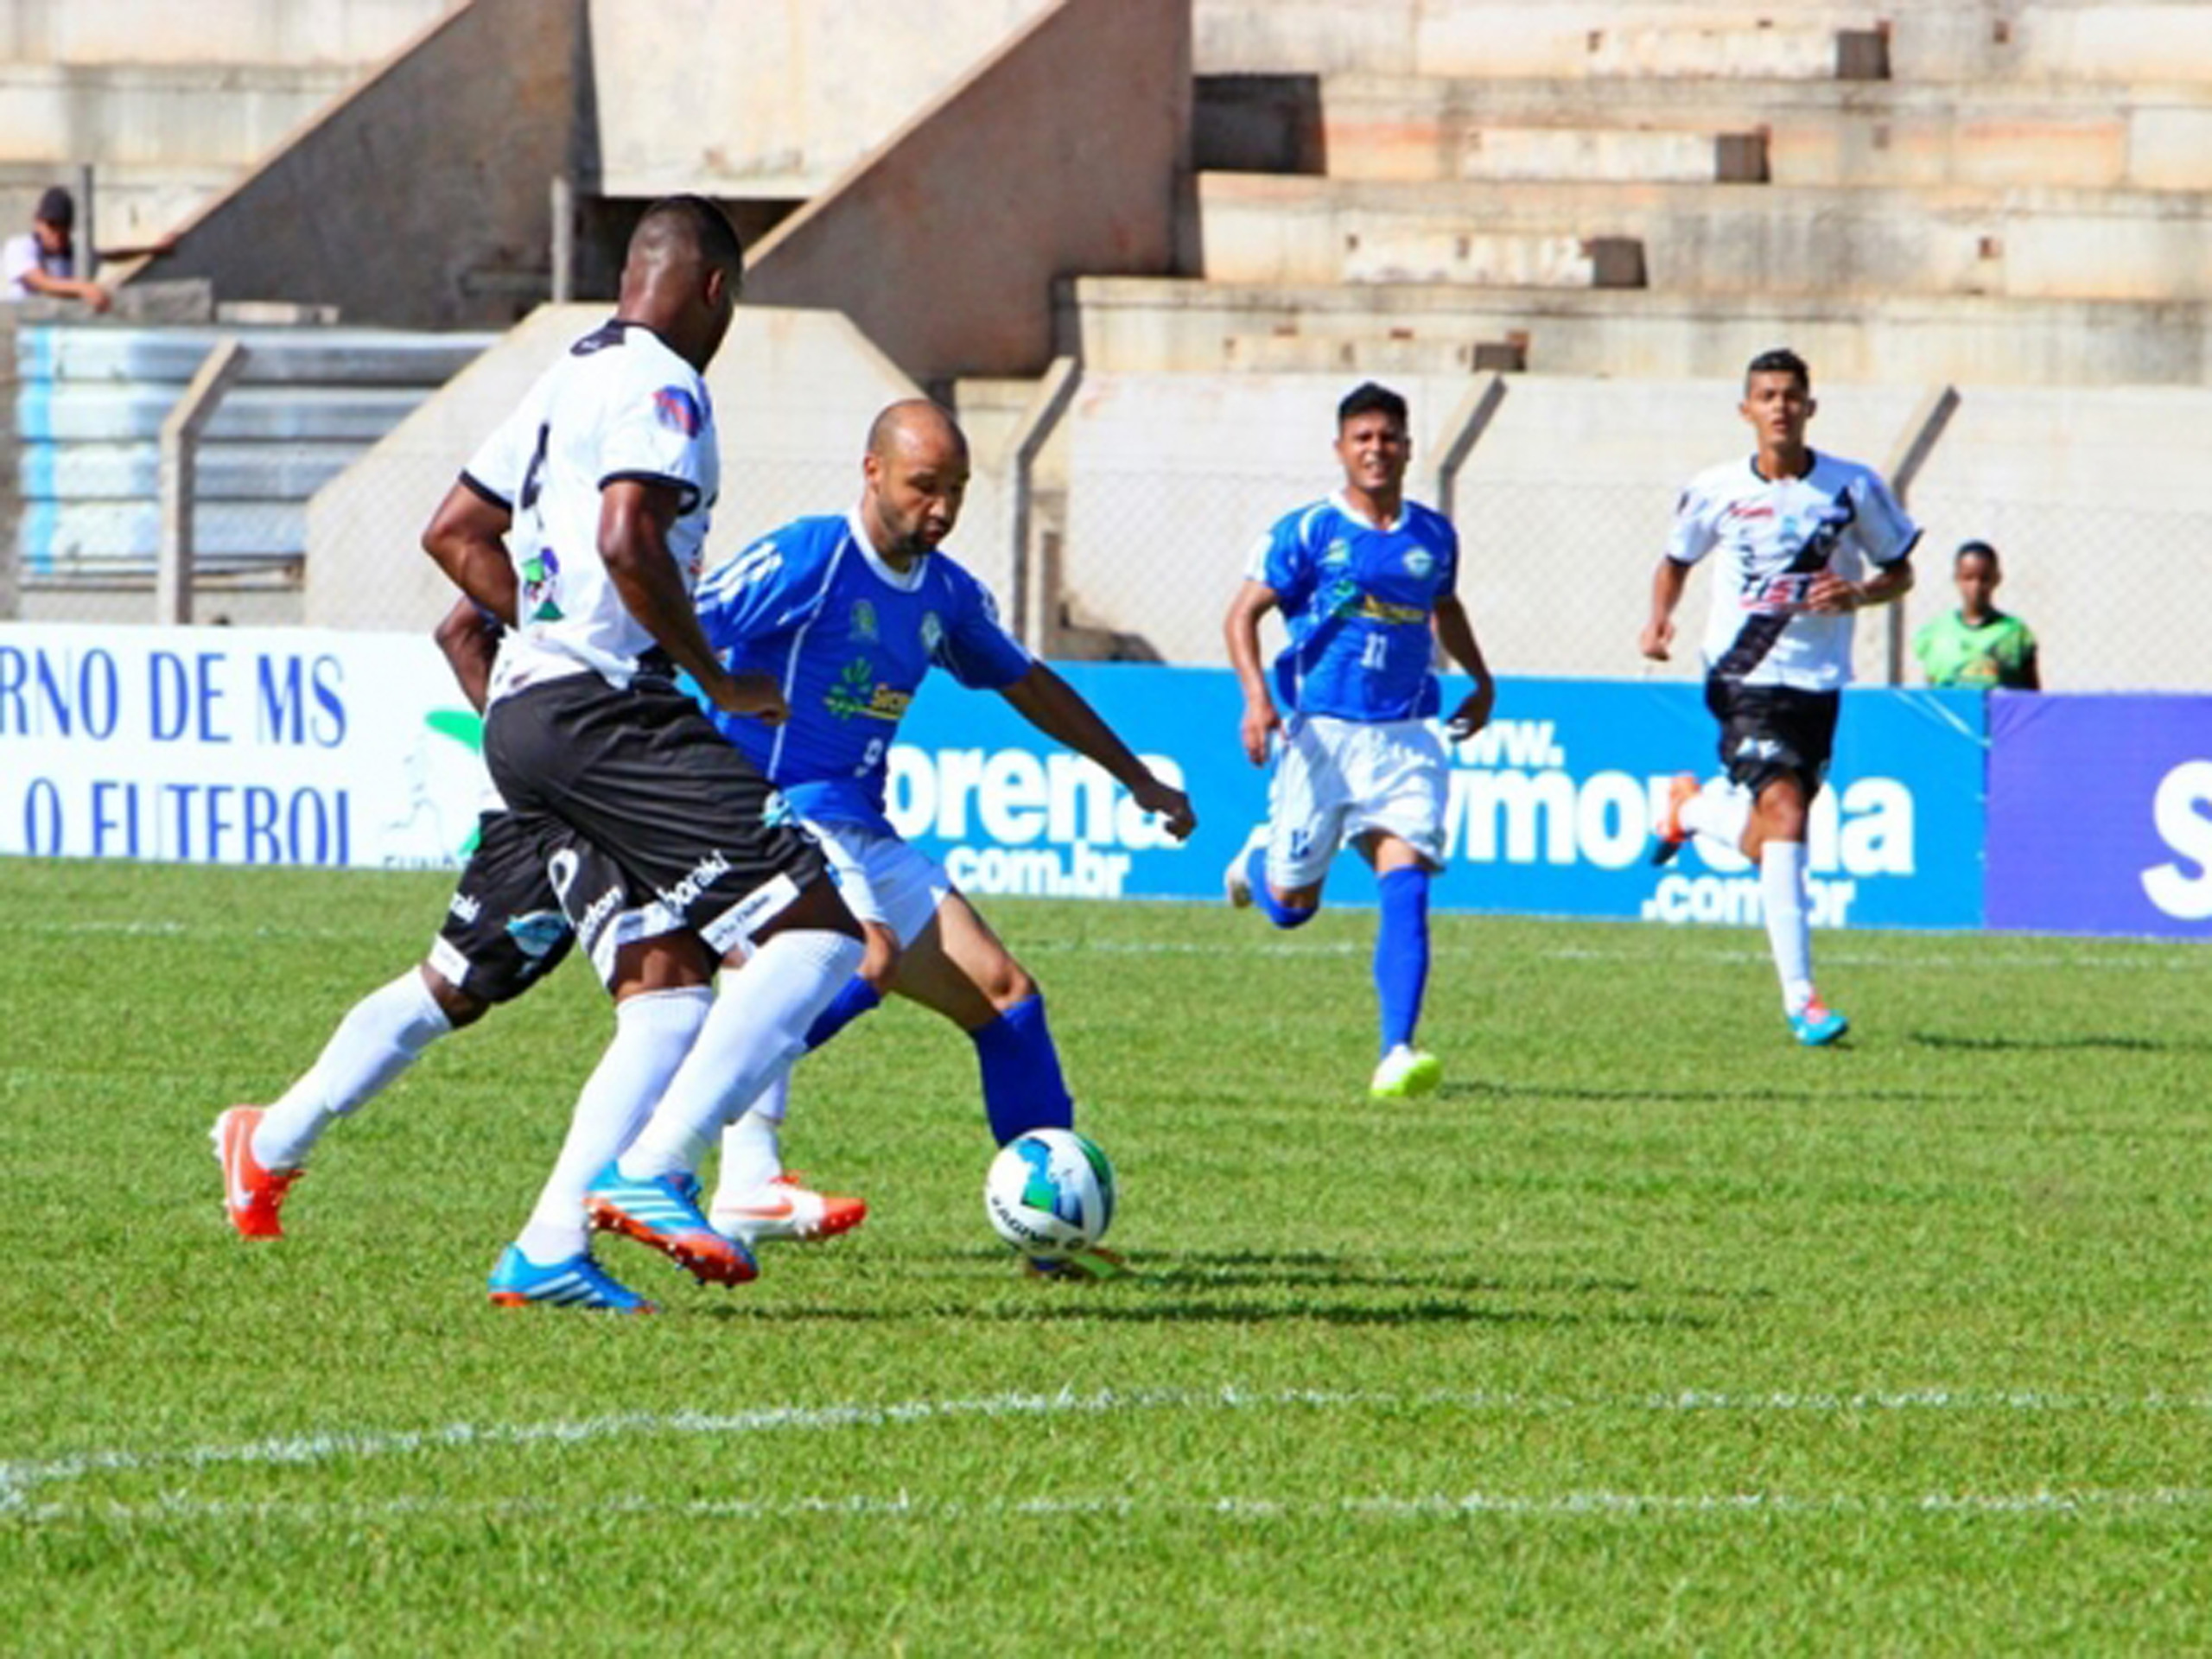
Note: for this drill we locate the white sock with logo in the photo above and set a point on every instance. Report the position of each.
(1719, 812)
(653, 1031)
(1788, 923)
(758, 1027)
(753, 1146)
(377, 1041)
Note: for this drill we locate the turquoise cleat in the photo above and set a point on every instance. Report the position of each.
(516, 1281)
(1817, 1025)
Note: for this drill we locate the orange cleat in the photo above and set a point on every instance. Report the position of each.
(1668, 835)
(251, 1195)
(784, 1208)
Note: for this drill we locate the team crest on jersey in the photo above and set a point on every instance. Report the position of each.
(776, 811)
(1337, 554)
(675, 408)
(541, 581)
(1420, 564)
(864, 621)
(932, 631)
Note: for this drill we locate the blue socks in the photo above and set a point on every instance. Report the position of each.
(1022, 1086)
(1282, 915)
(852, 1000)
(1402, 953)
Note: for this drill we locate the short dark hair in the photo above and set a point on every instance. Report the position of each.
(56, 207)
(700, 222)
(1976, 551)
(1779, 360)
(1368, 398)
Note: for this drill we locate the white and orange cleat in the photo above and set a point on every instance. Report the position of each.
(251, 1195)
(1668, 836)
(782, 1208)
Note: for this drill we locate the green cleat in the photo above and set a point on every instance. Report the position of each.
(1407, 1073)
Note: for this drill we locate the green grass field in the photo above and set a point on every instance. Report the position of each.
(1651, 1333)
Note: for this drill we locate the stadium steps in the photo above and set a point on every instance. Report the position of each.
(1882, 134)
(1164, 325)
(1710, 239)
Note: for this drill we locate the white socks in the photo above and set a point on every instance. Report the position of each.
(1719, 812)
(1789, 924)
(758, 1027)
(373, 1044)
(653, 1032)
(753, 1146)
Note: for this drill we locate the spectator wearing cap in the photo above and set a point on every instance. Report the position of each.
(1978, 645)
(43, 259)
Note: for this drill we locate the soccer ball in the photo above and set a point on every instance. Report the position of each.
(1050, 1193)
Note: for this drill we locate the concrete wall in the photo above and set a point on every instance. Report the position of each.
(770, 98)
(265, 32)
(1065, 152)
(420, 200)
(794, 392)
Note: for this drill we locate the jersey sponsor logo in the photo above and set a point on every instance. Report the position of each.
(1747, 509)
(855, 694)
(541, 582)
(863, 621)
(1381, 610)
(677, 410)
(701, 875)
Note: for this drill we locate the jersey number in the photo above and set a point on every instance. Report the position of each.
(530, 484)
(1374, 651)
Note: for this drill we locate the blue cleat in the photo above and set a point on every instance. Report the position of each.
(1817, 1025)
(663, 1214)
(516, 1281)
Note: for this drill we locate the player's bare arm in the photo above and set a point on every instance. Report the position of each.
(634, 517)
(1058, 709)
(1831, 594)
(1241, 631)
(469, 641)
(467, 536)
(1666, 584)
(1455, 632)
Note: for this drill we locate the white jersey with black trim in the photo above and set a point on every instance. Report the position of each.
(620, 404)
(1775, 536)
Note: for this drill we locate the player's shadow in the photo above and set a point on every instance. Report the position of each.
(2121, 1043)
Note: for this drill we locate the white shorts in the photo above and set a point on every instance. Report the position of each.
(883, 879)
(1336, 779)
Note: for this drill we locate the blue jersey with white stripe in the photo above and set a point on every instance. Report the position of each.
(850, 640)
(1356, 599)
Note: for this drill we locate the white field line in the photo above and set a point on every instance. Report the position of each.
(1387, 1506)
(19, 1480)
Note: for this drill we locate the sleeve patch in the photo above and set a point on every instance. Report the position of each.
(676, 409)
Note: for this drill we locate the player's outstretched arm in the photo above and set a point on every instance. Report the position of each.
(470, 641)
(1058, 709)
(467, 536)
(1240, 631)
(1455, 634)
(634, 517)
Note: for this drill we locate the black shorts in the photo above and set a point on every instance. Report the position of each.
(504, 929)
(643, 775)
(1773, 731)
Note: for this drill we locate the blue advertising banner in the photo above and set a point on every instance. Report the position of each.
(1549, 809)
(2101, 814)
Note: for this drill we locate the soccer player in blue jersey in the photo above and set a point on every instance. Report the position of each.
(848, 614)
(1365, 582)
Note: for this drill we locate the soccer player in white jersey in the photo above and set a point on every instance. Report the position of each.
(580, 522)
(1365, 580)
(1802, 540)
(848, 614)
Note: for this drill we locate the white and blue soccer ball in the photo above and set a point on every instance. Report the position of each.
(1050, 1193)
